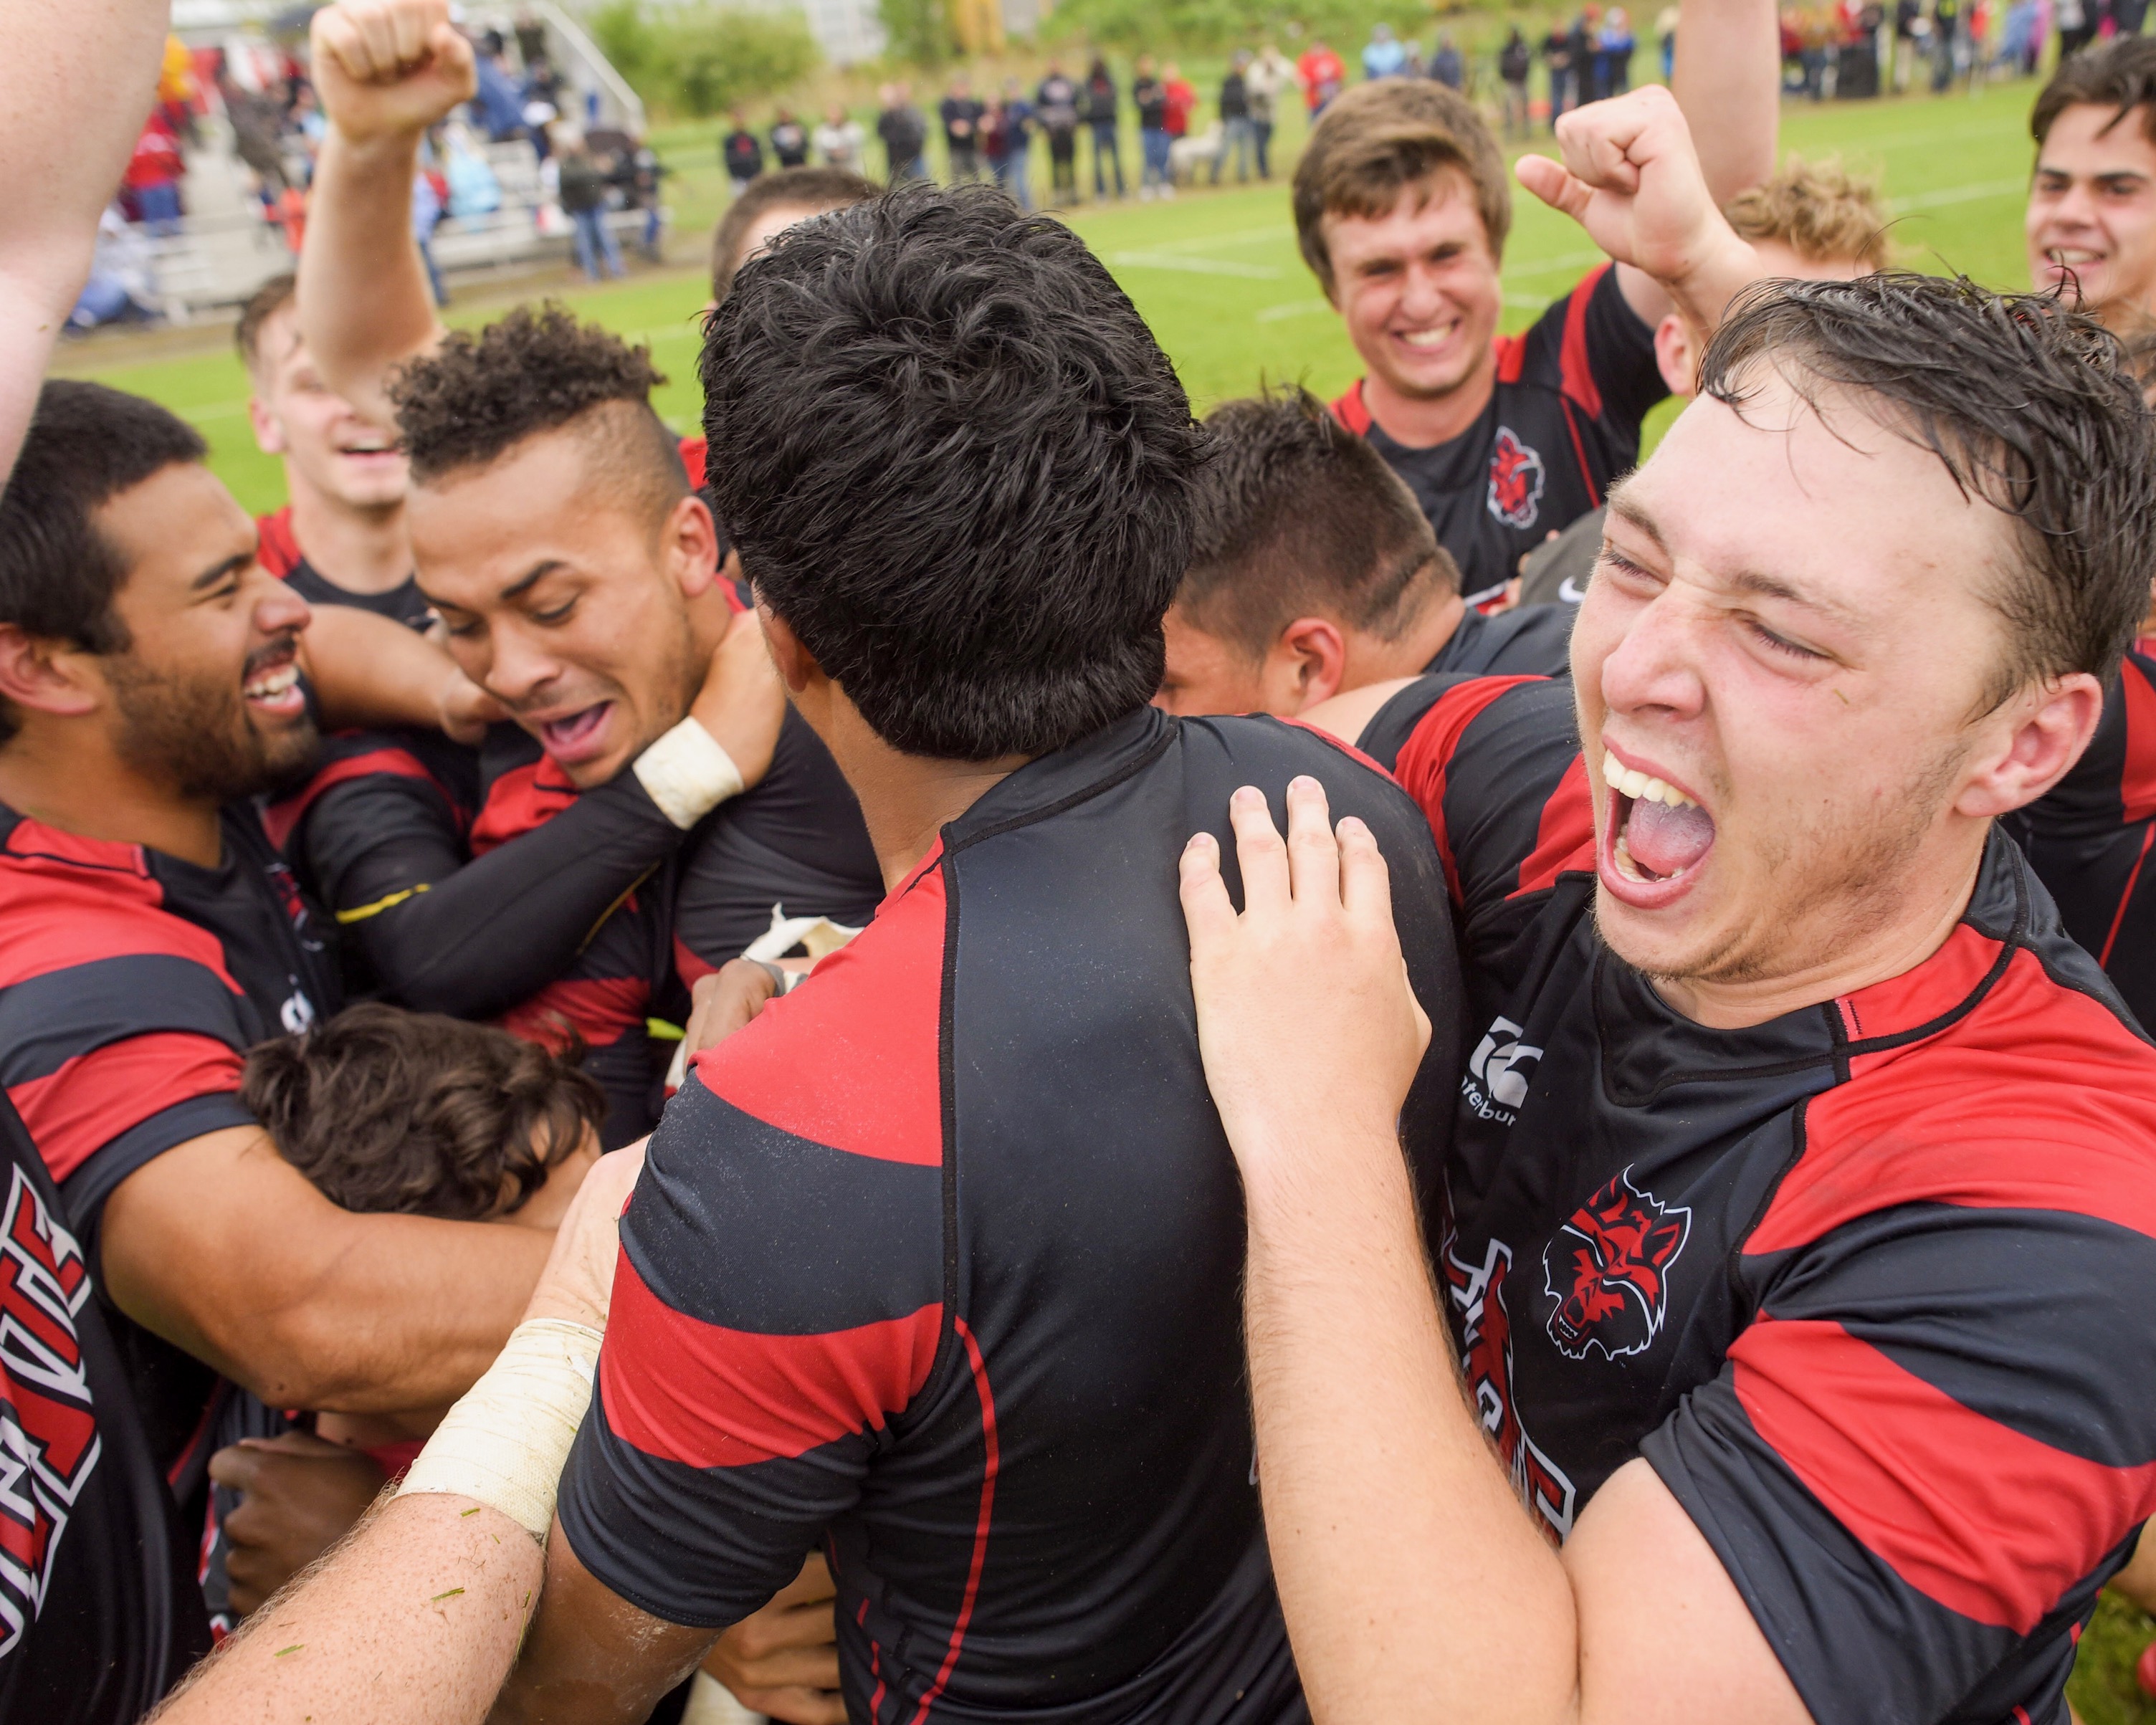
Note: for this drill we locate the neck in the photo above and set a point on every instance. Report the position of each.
(906, 799)
(360, 550)
(1376, 661)
(1850, 960)
(1420, 421)
(69, 782)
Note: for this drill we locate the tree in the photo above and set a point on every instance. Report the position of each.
(919, 30)
(722, 55)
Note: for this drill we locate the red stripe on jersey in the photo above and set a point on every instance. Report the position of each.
(1351, 413)
(1422, 763)
(601, 1010)
(77, 1109)
(689, 967)
(1565, 840)
(1987, 1521)
(55, 916)
(281, 818)
(2126, 898)
(853, 1060)
(278, 548)
(990, 1467)
(1346, 748)
(2137, 784)
(1575, 369)
(1580, 454)
(2039, 1098)
(1512, 357)
(1914, 998)
(707, 1396)
(522, 798)
(34, 840)
(693, 451)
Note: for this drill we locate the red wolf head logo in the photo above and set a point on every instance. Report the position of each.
(1608, 1269)
(1516, 480)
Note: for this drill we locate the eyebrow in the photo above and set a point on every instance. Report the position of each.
(1754, 582)
(517, 589)
(1621, 505)
(217, 573)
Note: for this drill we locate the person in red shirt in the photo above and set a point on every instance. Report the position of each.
(1322, 72)
(1181, 101)
(152, 180)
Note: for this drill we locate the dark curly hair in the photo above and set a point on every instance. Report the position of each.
(2027, 403)
(476, 397)
(387, 1110)
(958, 466)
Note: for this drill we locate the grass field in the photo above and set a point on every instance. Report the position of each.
(1216, 274)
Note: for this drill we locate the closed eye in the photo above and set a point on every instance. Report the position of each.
(1778, 644)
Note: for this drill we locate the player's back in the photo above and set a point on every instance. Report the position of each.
(944, 1254)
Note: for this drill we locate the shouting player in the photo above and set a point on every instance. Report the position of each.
(1800, 1239)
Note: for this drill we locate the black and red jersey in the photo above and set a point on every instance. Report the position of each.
(1561, 422)
(281, 555)
(98, 1615)
(133, 984)
(2089, 838)
(1533, 641)
(937, 1263)
(1855, 1281)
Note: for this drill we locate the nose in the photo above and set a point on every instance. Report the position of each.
(1420, 296)
(513, 666)
(279, 610)
(1654, 668)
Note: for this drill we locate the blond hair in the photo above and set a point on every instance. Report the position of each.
(1821, 212)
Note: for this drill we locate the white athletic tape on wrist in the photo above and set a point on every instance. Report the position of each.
(505, 1443)
(688, 774)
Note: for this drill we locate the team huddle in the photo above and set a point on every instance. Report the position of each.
(626, 1081)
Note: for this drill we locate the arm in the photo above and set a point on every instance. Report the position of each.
(222, 1247)
(385, 71)
(92, 63)
(369, 671)
(1414, 1585)
(1728, 82)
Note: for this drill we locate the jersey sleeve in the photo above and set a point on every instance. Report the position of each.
(758, 1354)
(1593, 348)
(1494, 764)
(446, 931)
(1931, 1444)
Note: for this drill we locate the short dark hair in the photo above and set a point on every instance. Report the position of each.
(2121, 74)
(958, 466)
(86, 444)
(1377, 139)
(1298, 514)
(265, 303)
(476, 397)
(385, 1110)
(813, 190)
(2026, 403)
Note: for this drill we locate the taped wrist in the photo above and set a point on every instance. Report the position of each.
(505, 1443)
(687, 773)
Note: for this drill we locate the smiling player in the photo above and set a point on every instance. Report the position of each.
(2091, 216)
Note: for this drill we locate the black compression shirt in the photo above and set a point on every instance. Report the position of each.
(939, 1262)
(281, 557)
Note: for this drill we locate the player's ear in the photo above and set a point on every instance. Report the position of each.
(269, 434)
(1673, 354)
(45, 675)
(1317, 655)
(689, 544)
(2040, 733)
(795, 662)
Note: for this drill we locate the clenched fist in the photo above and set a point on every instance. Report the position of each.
(389, 68)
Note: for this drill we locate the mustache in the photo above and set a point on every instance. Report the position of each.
(280, 649)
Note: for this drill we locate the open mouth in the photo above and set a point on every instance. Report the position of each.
(575, 737)
(1429, 340)
(1655, 840)
(270, 682)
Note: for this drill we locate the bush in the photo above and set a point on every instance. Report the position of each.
(704, 60)
(918, 31)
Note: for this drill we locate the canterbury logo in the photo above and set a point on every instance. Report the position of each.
(1497, 1062)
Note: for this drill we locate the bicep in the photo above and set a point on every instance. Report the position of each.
(1685, 1647)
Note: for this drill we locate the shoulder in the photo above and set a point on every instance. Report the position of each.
(1571, 345)
(67, 901)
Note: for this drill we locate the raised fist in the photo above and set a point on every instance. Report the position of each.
(389, 68)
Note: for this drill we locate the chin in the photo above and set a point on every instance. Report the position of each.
(1659, 943)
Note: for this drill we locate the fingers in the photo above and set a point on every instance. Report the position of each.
(1313, 853)
(1556, 188)
(727, 1000)
(1207, 910)
(1260, 851)
(1366, 885)
(235, 1467)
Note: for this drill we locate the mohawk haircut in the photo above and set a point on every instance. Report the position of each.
(2027, 405)
(811, 191)
(476, 397)
(1298, 515)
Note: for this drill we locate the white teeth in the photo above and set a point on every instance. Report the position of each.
(275, 684)
(1428, 338)
(1639, 787)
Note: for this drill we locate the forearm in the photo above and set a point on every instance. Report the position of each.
(1414, 1585)
(365, 306)
(1728, 80)
(370, 671)
(412, 1620)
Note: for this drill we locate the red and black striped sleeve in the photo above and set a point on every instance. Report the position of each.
(122, 1033)
(757, 1353)
(1494, 764)
(1596, 351)
(1934, 1442)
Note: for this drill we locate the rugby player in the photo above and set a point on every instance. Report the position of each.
(1315, 572)
(1005, 1401)
(1402, 208)
(149, 669)
(1798, 1242)
(2091, 225)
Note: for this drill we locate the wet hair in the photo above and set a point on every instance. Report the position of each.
(813, 190)
(2028, 406)
(1821, 211)
(476, 397)
(1378, 139)
(265, 303)
(385, 1110)
(2120, 75)
(1297, 515)
(958, 466)
(86, 444)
